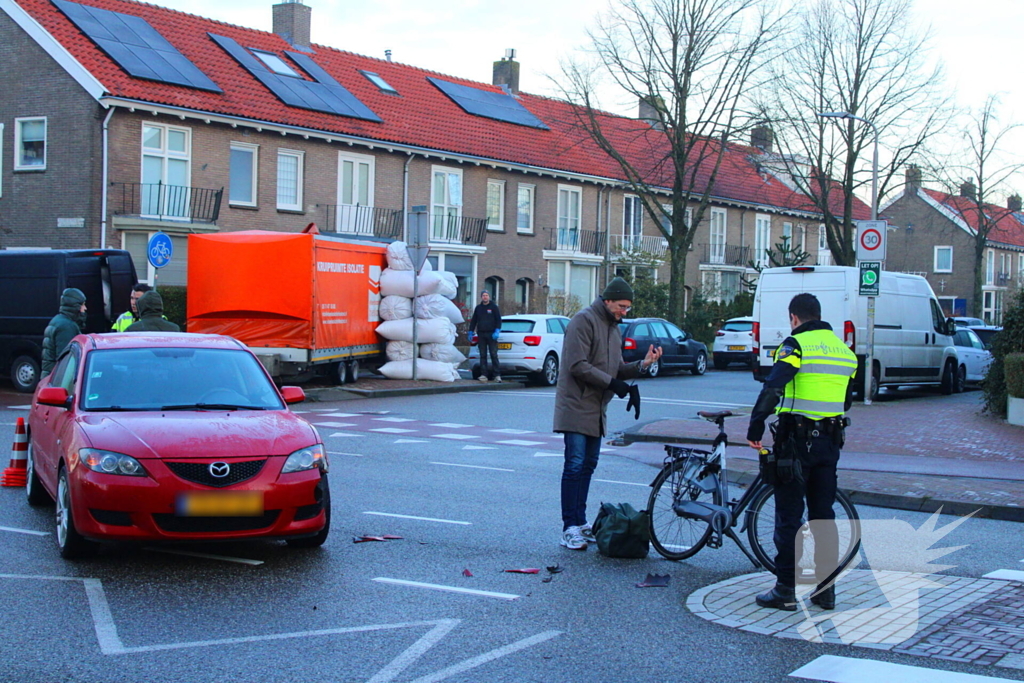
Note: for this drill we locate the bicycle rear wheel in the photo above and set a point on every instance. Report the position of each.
(761, 534)
(673, 536)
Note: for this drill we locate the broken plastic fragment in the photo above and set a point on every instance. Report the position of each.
(466, 572)
(364, 539)
(555, 569)
(523, 571)
(388, 537)
(547, 579)
(655, 581)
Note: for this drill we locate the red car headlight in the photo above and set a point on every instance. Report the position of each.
(109, 462)
(306, 459)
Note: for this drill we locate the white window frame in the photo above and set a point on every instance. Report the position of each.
(348, 217)
(935, 259)
(567, 231)
(1020, 259)
(1006, 265)
(498, 185)
(824, 253)
(2, 165)
(787, 231)
(762, 238)
(255, 151)
(531, 191)
(166, 198)
(449, 208)
(18, 124)
(300, 157)
(632, 230)
(990, 266)
(802, 230)
(718, 232)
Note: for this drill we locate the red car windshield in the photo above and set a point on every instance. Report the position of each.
(176, 379)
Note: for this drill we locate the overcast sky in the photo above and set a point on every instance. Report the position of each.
(978, 41)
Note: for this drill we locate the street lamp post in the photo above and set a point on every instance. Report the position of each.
(869, 345)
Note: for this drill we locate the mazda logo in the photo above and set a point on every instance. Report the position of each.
(219, 469)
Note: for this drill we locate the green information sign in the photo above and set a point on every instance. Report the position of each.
(870, 273)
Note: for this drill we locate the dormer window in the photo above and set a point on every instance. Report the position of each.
(275, 63)
(379, 82)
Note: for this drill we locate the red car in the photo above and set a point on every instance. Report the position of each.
(173, 437)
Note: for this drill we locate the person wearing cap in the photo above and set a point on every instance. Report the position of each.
(63, 327)
(592, 372)
(486, 322)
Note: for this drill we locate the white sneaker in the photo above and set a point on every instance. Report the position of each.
(482, 378)
(498, 379)
(572, 540)
(587, 532)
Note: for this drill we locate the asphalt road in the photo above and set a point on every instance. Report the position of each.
(373, 611)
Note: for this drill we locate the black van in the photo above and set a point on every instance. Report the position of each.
(31, 282)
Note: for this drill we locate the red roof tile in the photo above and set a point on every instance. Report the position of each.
(420, 115)
(1009, 226)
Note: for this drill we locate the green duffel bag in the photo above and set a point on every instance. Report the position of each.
(622, 531)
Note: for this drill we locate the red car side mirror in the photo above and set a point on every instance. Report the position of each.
(53, 396)
(290, 394)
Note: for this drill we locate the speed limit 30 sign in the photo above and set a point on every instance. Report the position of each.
(871, 240)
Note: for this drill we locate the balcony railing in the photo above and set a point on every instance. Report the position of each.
(166, 202)
(365, 221)
(1002, 279)
(636, 245)
(724, 254)
(575, 241)
(453, 229)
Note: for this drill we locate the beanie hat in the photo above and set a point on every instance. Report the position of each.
(617, 290)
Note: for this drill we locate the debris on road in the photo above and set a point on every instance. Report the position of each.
(655, 581)
(466, 572)
(522, 571)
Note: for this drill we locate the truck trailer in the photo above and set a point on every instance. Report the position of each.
(305, 303)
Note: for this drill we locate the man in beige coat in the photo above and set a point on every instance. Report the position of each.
(592, 372)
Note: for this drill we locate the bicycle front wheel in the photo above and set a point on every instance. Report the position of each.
(761, 534)
(673, 536)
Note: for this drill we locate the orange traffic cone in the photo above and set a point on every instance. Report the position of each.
(16, 474)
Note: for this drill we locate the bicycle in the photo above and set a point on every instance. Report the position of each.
(691, 512)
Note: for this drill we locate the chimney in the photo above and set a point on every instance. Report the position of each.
(912, 176)
(291, 22)
(967, 189)
(1013, 203)
(648, 110)
(762, 138)
(506, 72)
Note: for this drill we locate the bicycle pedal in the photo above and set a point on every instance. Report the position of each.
(715, 541)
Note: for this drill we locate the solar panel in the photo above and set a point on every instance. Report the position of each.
(491, 105)
(322, 94)
(136, 46)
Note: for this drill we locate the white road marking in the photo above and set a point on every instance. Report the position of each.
(354, 455)
(349, 434)
(449, 425)
(455, 436)
(474, 447)
(393, 430)
(1006, 575)
(662, 401)
(340, 414)
(189, 553)
(474, 662)
(450, 589)
(336, 425)
(850, 670)
(548, 394)
(28, 407)
(24, 531)
(475, 467)
(411, 441)
(511, 431)
(520, 442)
(627, 483)
(422, 519)
(547, 454)
(393, 419)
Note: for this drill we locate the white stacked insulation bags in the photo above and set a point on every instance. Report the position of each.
(436, 318)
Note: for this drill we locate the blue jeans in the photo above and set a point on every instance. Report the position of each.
(581, 453)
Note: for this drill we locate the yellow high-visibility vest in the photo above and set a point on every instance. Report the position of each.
(824, 368)
(123, 321)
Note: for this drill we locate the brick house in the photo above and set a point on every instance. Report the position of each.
(932, 233)
(122, 118)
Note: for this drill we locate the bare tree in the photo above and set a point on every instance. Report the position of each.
(691, 65)
(978, 173)
(860, 57)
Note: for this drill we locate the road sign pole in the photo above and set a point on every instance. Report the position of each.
(870, 273)
(869, 348)
(418, 240)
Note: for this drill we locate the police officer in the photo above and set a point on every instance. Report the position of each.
(813, 377)
(132, 314)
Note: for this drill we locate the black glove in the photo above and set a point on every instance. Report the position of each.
(619, 387)
(634, 400)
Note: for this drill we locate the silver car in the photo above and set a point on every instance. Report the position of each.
(528, 344)
(734, 343)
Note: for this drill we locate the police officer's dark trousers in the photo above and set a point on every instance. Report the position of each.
(819, 489)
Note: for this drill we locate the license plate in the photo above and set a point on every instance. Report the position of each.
(220, 504)
(504, 347)
(737, 348)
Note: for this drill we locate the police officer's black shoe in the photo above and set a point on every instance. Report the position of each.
(825, 598)
(779, 597)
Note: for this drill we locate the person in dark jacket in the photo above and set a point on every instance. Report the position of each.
(151, 315)
(592, 371)
(63, 327)
(486, 322)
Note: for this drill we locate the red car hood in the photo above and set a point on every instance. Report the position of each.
(200, 434)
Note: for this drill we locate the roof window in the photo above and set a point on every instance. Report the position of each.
(379, 82)
(275, 63)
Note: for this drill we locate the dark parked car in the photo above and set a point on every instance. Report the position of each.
(680, 351)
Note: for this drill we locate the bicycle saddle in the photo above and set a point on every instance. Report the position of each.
(707, 415)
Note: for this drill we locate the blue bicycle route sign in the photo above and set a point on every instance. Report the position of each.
(160, 250)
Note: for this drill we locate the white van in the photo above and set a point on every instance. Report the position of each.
(913, 340)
